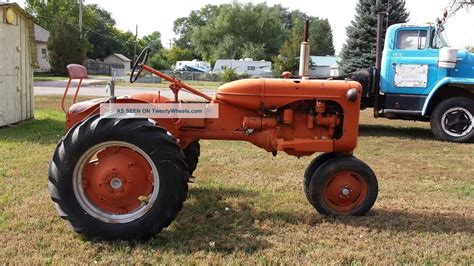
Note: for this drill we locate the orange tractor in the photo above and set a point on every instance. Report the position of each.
(118, 178)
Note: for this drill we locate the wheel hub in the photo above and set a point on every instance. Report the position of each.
(116, 183)
(457, 122)
(345, 191)
(115, 180)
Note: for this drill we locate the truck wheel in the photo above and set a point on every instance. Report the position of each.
(343, 186)
(191, 156)
(312, 167)
(118, 179)
(452, 120)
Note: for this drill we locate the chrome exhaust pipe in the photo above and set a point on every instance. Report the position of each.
(304, 53)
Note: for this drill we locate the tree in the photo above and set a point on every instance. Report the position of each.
(320, 38)
(359, 50)
(197, 18)
(65, 47)
(287, 59)
(99, 32)
(470, 48)
(153, 41)
(158, 60)
(177, 53)
(456, 5)
(232, 31)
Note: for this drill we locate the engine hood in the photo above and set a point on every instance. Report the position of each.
(464, 65)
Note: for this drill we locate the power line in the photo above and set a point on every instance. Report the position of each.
(85, 29)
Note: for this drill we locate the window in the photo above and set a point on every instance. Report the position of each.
(438, 40)
(223, 67)
(251, 68)
(411, 39)
(44, 53)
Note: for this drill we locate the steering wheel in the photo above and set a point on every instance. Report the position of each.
(141, 60)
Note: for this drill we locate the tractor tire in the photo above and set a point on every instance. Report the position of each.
(343, 185)
(118, 178)
(453, 120)
(191, 156)
(312, 167)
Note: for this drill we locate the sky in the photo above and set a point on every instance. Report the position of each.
(152, 15)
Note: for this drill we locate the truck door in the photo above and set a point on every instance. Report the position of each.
(413, 63)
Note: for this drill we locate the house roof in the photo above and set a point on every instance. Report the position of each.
(324, 60)
(17, 7)
(121, 57)
(41, 35)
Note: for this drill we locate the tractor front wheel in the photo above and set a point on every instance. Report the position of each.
(342, 185)
(118, 179)
(191, 156)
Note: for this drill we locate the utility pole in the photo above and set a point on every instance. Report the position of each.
(80, 16)
(171, 44)
(135, 46)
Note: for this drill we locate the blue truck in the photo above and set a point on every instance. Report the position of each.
(417, 76)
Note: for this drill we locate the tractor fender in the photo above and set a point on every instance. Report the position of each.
(79, 111)
(441, 84)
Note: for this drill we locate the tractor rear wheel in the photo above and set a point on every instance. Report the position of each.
(343, 185)
(118, 179)
(191, 156)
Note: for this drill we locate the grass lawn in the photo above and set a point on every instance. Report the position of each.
(248, 207)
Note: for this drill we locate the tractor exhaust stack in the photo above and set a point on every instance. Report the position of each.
(304, 53)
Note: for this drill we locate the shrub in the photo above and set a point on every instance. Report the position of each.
(229, 75)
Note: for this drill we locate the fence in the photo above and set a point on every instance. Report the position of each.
(96, 67)
(194, 76)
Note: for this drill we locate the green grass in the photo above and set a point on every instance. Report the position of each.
(49, 78)
(248, 207)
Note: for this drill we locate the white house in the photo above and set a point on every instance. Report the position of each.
(119, 63)
(247, 65)
(324, 66)
(17, 59)
(42, 37)
(195, 66)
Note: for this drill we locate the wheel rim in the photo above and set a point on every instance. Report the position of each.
(116, 182)
(457, 122)
(345, 191)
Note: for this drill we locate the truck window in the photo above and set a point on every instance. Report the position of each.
(411, 39)
(438, 40)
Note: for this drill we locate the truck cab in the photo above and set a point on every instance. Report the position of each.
(422, 78)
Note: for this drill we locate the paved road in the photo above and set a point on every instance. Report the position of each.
(57, 88)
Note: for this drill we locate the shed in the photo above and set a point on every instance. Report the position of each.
(17, 59)
(323, 66)
(119, 63)
(247, 65)
(42, 37)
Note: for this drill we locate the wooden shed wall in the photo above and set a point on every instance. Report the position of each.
(16, 70)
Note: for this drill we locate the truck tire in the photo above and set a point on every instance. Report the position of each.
(312, 167)
(343, 185)
(452, 120)
(191, 156)
(118, 178)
